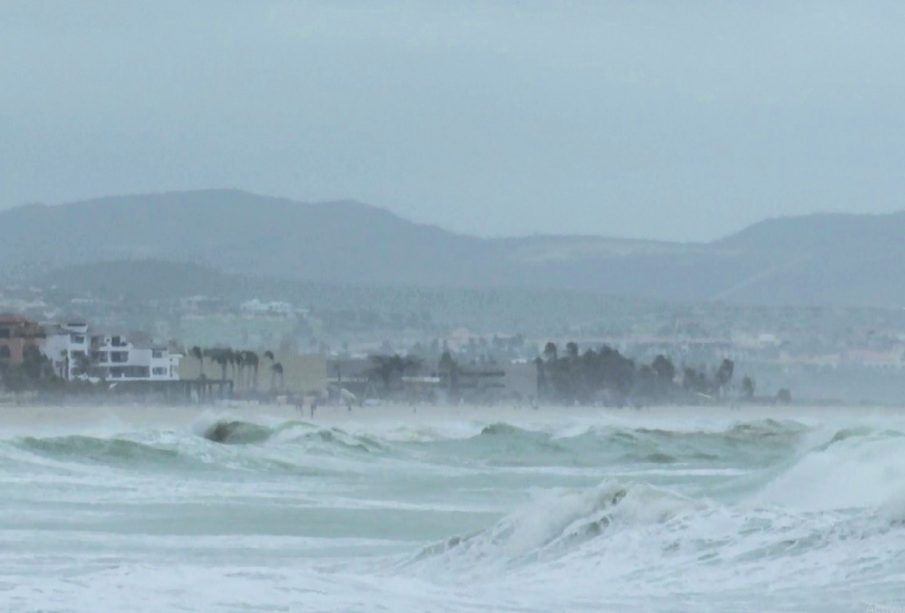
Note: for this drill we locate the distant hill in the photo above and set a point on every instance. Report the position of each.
(817, 259)
(237, 232)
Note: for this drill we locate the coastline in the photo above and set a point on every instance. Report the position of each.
(32, 418)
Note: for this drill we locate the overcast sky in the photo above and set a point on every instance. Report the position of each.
(675, 120)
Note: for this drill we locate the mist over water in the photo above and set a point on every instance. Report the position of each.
(455, 509)
(290, 217)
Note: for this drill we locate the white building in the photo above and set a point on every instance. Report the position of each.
(76, 354)
(114, 357)
(66, 346)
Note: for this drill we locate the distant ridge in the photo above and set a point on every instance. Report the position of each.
(815, 259)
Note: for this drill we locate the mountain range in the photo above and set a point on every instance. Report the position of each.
(822, 259)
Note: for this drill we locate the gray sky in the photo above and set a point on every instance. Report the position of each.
(676, 120)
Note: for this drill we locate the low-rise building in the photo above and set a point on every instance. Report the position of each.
(17, 335)
(78, 352)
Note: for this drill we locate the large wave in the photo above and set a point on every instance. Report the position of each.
(553, 524)
(840, 500)
(655, 512)
(495, 444)
(503, 444)
(857, 467)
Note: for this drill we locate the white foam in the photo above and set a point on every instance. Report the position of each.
(793, 520)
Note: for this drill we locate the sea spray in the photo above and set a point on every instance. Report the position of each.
(694, 509)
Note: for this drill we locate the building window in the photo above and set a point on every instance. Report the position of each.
(99, 356)
(119, 357)
(4, 352)
(118, 341)
(157, 353)
(160, 371)
(78, 339)
(4, 333)
(137, 372)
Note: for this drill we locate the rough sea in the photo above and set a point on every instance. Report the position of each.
(389, 509)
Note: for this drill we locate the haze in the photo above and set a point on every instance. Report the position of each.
(659, 120)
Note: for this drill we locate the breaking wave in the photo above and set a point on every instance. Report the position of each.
(555, 523)
(501, 444)
(496, 444)
(114, 451)
(847, 490)
(732, 515)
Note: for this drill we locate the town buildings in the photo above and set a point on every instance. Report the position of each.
(17, 336)
(75, 351)
(115, 357)
(66, 346)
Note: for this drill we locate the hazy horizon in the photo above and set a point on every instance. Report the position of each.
(562, 329)
(658, 121)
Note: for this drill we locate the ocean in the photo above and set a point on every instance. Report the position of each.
(452, 509)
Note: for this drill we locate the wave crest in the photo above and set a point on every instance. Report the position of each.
(555, 524)
(101, 450)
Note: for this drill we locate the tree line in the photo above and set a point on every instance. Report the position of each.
(243, 366)
(605, 375)
(594, 376)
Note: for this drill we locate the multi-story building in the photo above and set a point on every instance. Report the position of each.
(115, 357)
(78, 352)
(66, 346)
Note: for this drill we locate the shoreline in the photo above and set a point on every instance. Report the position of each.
(21, 419)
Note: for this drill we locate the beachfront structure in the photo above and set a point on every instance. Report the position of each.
(74, 351)
(67, 347)
(17, 335)
(113, 357)
(78, 352)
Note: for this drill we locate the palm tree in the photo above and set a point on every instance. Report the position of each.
(550, 352)
(390, 369)
(748, 386)
(221, 357)
(198, 354)
(449, 371)
(239, 362)
(270, 356)
(572, 350)
(276, 369)
(724, 374)
(228, 359)
(252, 360)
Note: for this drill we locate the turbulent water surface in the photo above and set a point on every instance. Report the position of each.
(523, 511)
